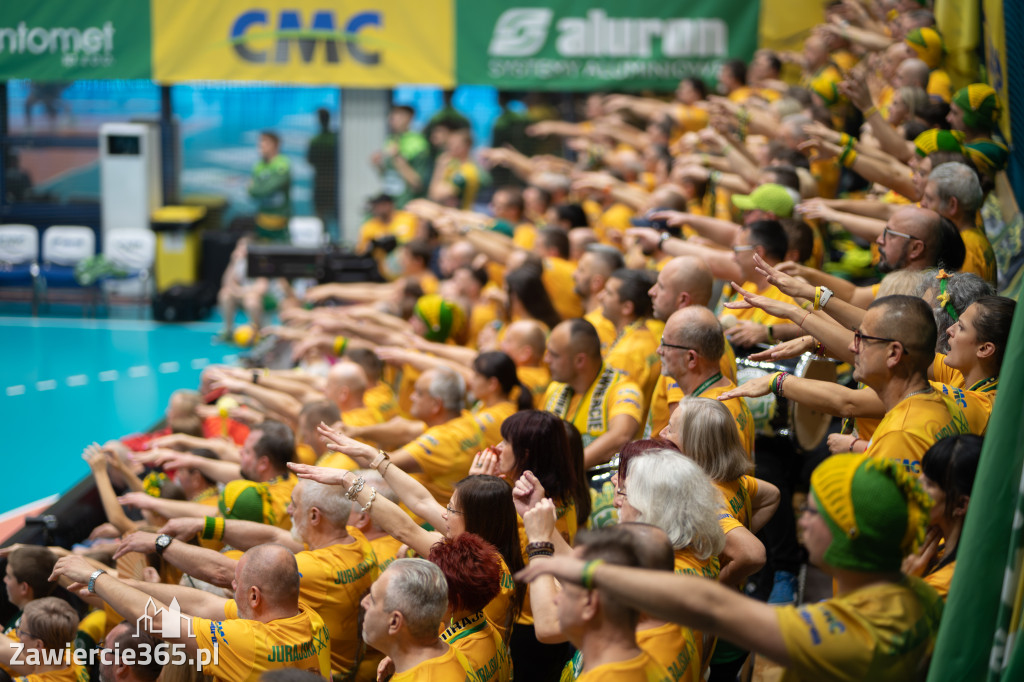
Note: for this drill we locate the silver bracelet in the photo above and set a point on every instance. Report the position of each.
(356, 488)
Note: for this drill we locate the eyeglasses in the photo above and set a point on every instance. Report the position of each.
(621, 491)
(859, 337)
(808, 509)
(24, 634)
(672, 345)
(453, 511)
(745, 247)
(887, 231)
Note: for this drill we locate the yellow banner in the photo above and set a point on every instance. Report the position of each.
(995, 59)
(346, 43)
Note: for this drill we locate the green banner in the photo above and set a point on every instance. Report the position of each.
(56, 40)
(596, 44)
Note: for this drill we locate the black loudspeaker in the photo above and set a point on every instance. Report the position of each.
(215, 254)
(184, 303)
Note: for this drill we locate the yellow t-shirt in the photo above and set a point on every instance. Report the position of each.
(740, 413)
(445, 452)
(615, 218)
(247, 648)
(476, 640)
(976, 404)
(756, 314)
(635, 354)
(605, 329)
(879, 633)
(980, 258)
(524, 235)
(304, 454)
(674, 648)
(332, 582)
(945, 374)
(498, 611)
(914, 425)
(941, 579)
(482, 314)
(689, 118)
(558, 282)
(536, 379)
(280, 490)
(443, 668)
(385, 548)
(402, 226)
(737, 508)
(382, 398)
(610, 395)
(642, 668)
(688, 564)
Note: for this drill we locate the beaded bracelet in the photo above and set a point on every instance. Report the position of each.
(366, 507)
(356, 488)
(535, 549)
(589, 569)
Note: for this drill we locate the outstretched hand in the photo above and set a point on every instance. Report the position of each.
(339, 442)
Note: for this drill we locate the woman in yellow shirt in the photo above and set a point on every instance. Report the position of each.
(947, 475)
(480, 504)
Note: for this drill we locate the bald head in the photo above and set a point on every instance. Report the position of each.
(524, 342)
(346, 379)
(912, 73)
(270, 569)
(684, 281)
(696, 327)
(921, 250)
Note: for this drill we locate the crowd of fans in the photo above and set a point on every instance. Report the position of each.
(561, 439)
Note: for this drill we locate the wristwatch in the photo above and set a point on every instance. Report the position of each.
(92, 580)
(162, 542)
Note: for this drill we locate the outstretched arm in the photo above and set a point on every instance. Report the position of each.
(695, 602)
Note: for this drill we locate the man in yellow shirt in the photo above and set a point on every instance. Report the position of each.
(893, 349)
(626, 304)
(336, 563)
(954, 191)
(403, 616)
(268, 627)
(862, 517)
(684, 281)
(595, 266)
(691, 352)
(601, 402)
(385, 221)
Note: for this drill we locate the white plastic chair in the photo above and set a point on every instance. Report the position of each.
(132, 250)
(19, 263)
(64, 247)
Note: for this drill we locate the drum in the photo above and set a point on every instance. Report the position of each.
(778, 417)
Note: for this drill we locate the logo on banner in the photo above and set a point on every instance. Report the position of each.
(523, 32)
(93, 44)
(292, 37)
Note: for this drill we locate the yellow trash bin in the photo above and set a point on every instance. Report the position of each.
(177, 244)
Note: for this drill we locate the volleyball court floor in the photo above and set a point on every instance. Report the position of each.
(66, 382)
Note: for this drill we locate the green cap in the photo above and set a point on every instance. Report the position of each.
(246, 501)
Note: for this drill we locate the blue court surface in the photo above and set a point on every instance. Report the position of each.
(65, 383)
